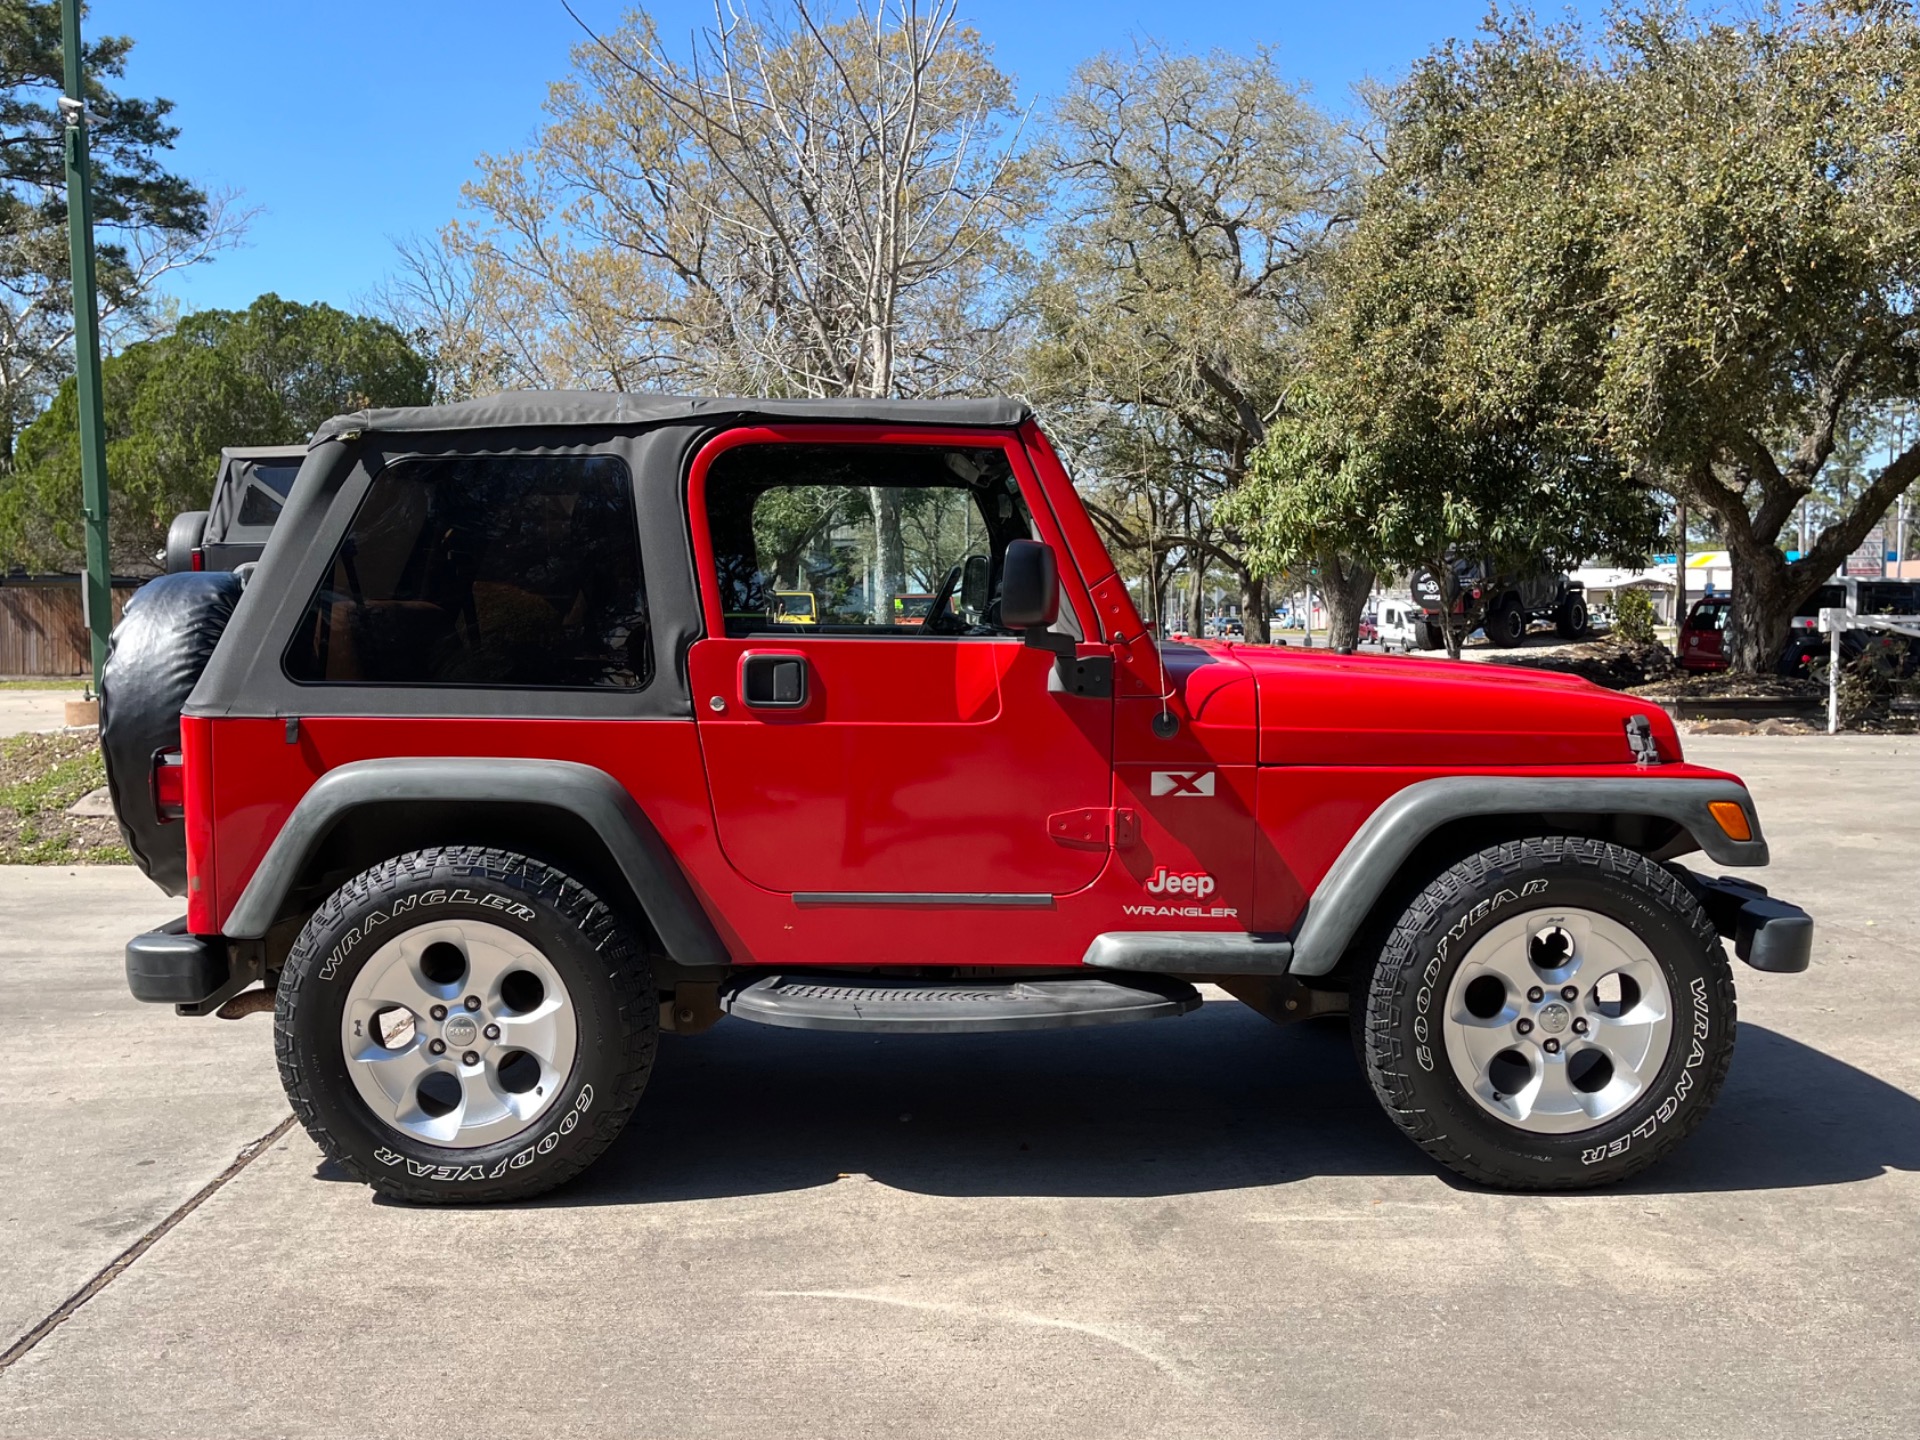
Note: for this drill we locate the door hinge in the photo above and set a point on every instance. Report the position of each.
(1095, 828)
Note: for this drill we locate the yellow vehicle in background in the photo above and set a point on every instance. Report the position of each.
(795, 607)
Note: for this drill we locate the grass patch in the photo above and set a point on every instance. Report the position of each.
(40, 776)
(75, 685)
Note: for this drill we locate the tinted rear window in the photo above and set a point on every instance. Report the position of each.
(515, 570)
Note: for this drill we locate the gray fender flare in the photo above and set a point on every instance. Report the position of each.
(645, 861)
(1345, 897)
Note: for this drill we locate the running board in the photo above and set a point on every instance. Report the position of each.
(823, 1000)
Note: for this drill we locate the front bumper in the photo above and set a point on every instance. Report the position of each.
(170, 967)
(1768, 934)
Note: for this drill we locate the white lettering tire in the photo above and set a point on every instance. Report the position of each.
(1550, 1014)
(464, 1025)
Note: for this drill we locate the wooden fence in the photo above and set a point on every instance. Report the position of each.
(42, 631)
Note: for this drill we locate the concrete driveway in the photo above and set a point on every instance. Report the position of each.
(25, 710)
(1192, 1228)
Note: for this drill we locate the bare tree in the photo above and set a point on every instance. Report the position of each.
(803, 204)
(36, 302)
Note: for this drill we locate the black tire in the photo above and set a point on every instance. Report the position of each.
(1397, 1013)
(1506, 624)
(1800, 656)
(164, 640)
(1572, 621)
(1428, 636)
(609, 984)
(184, 536)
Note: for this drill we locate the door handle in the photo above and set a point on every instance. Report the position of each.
(773, 681)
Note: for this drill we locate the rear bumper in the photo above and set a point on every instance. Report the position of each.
(1768, 934)
(170, 967)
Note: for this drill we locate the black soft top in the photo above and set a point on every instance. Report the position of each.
(522, 409)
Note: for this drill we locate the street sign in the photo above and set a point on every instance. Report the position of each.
(1869, 561)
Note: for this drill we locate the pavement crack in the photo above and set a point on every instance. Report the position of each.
(120, 1263)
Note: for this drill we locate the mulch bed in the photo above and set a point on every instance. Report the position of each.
(40, 776)
(1604, 662)
(1724, 685)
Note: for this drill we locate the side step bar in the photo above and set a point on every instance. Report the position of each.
(824, 1000)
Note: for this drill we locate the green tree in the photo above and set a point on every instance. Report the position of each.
(1196, 193)
(149, 222)
(1454, 355)
(266, 375)
(1687, 253)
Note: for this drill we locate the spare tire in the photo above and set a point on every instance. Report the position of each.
(183, 538)
(158, 650)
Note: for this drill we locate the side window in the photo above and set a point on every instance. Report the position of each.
(267, 487)
(873, 540)
(495, 570)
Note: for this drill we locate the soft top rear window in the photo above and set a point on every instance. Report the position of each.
(484, 570)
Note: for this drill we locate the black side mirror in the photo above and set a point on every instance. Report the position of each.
(976, 584)
(1029, 586)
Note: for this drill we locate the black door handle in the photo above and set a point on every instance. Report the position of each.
(773, 682)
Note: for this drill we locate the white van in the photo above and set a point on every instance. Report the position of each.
(1402, 625)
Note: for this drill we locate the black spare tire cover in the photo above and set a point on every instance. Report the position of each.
(158, 650)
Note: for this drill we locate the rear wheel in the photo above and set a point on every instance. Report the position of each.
(1550, 1014)
(464, 1025)
(1506, 623)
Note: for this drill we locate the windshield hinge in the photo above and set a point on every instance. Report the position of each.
(1646, 750)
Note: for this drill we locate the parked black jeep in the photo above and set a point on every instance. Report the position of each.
(247, 495)
(1503, 604)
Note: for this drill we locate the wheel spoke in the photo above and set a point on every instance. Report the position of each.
(395, 1071)
(491, 959)
(1556, 1095)
(400, 983)
(539, 1033)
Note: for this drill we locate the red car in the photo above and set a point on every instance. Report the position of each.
(505, 761)
(1703, 634)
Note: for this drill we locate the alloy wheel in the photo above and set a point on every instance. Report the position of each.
(458, 1033)
(1556, 1021)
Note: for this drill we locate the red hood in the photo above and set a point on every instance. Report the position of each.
(1317, 708)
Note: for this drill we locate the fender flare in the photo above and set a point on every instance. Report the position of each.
(1367, 865)
(644, 860)
(1342, 901)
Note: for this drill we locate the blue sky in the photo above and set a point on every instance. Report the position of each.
(352, 122)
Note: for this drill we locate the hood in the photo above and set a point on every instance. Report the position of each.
(1325, 709)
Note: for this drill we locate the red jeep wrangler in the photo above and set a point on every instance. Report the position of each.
(506, 757)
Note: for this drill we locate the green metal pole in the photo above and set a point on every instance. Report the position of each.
(97, 588)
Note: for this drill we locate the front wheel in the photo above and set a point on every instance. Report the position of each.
(464, 1025)
(1573, 622)
(1550, 1014)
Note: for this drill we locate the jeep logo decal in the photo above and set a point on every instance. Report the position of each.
(1165, 882)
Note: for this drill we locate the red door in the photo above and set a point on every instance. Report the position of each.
(915, 766)
(862, 759)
